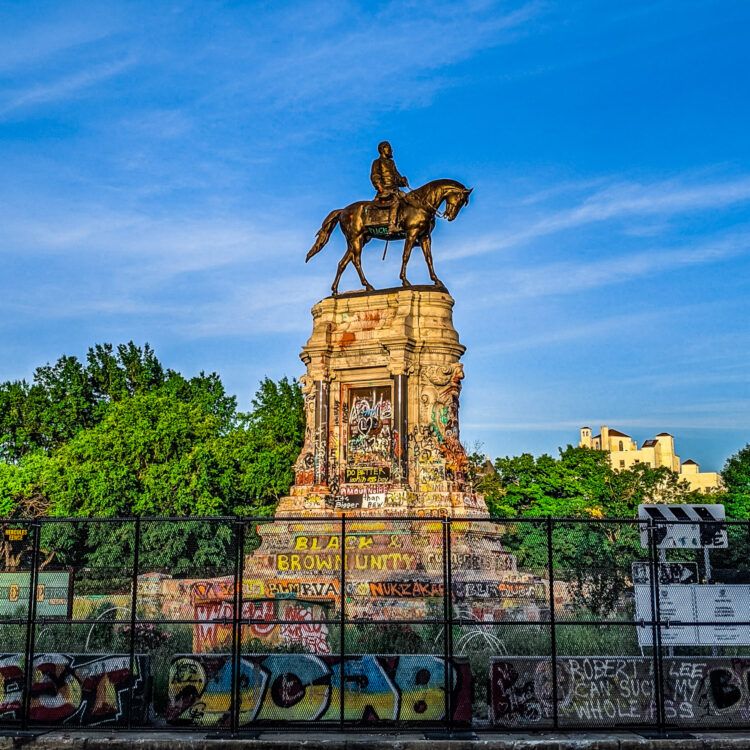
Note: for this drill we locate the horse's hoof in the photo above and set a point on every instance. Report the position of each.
(369, 288)
(405, 283)
(437, 282)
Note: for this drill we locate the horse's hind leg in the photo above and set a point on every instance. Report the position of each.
(343, 263)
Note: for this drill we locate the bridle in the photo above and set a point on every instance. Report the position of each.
(440, 214)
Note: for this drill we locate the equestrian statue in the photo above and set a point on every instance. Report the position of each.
(392, 215)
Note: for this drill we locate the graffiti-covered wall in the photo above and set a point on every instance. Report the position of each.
(75, 689)
(608, 691)
(304, 687)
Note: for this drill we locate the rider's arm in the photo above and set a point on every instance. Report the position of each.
(376, 176)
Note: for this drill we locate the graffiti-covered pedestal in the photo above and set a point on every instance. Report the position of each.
(381, 391)
(381, 449)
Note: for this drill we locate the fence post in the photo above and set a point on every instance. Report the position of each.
(552, 623)
(239, 567)
(133, 607)
(342, 620)
(449, 624)
(31, 624)
(446, 605)
(656, 625)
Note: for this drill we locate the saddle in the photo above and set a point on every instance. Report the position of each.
(376, 222)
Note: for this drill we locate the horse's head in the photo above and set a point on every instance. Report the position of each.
(455, 200)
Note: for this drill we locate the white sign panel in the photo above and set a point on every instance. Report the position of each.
(684, 526)
(724, 606)
(675, 603)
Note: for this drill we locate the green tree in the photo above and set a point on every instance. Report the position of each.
(736, 476)
(68, 396)
(122, 435)
(268, 445)
(150, 454)
(593, 557)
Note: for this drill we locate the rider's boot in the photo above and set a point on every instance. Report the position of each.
(392, 218)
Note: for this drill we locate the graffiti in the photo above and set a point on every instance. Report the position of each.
(380, 489)
(333, 473)
(214, 630)
(324, 588)
(617, 690)
(369, 440)
(304, 467)
(74, 689)
(353, 541)
(365, 413)
(305, 476)
(367, 474)
(303, 687)
(211, 589)
(298, 627)
(523, 589)
(370, 608)
(315, 563)
(499, 562)
(352, 500)
(405, 588)
(429, 475)
(397, 500)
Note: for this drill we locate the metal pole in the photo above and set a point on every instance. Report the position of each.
(133, 608)
(446, 605)
(553, 631)
(707, 563)
(449, 623)
(342, 619)
(31, 625)
(656, 625)
(239, 564)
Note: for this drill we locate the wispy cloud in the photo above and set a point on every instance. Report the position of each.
(588, 331)
(256, 307)
(585, 274)
(619, 201)
(63, 87)
(35, 43)
(391, 56)
(149, 245)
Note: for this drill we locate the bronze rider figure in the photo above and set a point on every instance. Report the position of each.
(387, 180)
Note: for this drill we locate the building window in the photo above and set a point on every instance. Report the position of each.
(621, 448)
(622, 463)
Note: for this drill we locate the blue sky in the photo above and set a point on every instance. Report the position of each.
(165, 167)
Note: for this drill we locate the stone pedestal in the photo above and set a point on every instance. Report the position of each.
(382, 386)
(382, 449)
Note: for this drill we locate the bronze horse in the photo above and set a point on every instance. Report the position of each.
(417, 220)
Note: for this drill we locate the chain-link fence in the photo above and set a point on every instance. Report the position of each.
(342, 622)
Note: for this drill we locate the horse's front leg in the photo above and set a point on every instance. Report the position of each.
(427, 250)
(357, 245)
(409, 242)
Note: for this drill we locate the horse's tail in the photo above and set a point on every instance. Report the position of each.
(324, 233)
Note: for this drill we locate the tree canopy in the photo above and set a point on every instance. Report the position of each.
(580, 482)
(736, 476)
(122, 435)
